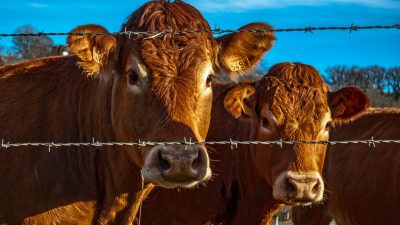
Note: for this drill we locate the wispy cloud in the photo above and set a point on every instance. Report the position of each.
(244, 5)
(38, 5)
(63, 5)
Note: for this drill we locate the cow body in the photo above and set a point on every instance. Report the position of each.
(362, 181)
(243, 190)
(113, 89)
(63, 184)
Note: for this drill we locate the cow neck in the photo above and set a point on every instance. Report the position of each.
(58, 102)
(254, 190)
(44, 97)
(118, 177)
(246, 186)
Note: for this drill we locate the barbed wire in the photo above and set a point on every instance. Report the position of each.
(233, 143)
(218, 31)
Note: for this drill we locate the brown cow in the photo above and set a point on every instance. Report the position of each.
(293, 103)
(363, 182)
(114, 89)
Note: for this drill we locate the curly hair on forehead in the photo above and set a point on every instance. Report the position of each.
(166, 15)
(298, 73)
(297, 97)
(174, 61)
(171, 49)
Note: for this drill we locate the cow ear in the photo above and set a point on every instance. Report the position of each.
(94, 52)
(241, 100)
(347, 103)
(240, 52)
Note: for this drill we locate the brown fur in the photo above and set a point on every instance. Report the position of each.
(92, 50)
(216, 202)
(88, 95)
(363, 182)
(299, 121)
(241, 191)
(172, 60)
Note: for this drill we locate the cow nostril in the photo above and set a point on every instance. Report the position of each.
(164, 164)
(291, 188)
(316, 187)
(198, 161)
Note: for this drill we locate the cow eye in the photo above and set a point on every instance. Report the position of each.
(133, 77)
(210, 78)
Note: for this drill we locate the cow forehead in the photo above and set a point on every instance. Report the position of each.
(173, 58)
(164, 15)
(170, 16)
(299, 110)
(169, 54)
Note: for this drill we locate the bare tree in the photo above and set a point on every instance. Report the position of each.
(337, 77)
(393, 77)
(376, 75)
(31, 47)
(382, 85)
(2, 55)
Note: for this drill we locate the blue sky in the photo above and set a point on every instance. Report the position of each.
(321, 49)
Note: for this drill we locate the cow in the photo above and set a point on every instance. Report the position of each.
(251, 182)
(115, 88)
(363, 181)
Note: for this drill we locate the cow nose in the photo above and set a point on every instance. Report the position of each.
(184, 165)
(305, 189)
(294, 187)
(176, 166)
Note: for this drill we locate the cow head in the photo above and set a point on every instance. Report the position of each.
(160, 83)
(293, 103)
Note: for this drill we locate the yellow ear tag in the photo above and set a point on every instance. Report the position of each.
(237, 63)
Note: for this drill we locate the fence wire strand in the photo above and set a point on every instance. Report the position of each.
(218, 31)
(233, 143)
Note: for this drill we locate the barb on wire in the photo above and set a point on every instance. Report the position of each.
(372, 142)
(233, 143)
(352, 27)
(216, 30)
(308, 29)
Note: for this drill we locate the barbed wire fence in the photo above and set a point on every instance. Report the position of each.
(217, 31)
(233, 143)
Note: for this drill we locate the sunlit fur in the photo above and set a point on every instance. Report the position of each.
(174, 62)
(88, 95)
(296, 96)
(297, 106)
(242, 193)
(362, 181)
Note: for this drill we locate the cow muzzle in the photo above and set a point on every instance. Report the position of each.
(298, 188)
(180, 166)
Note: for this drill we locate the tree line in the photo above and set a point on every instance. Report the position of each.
(28, 47)
(381, 84)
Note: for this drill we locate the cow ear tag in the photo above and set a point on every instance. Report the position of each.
(237, 63)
